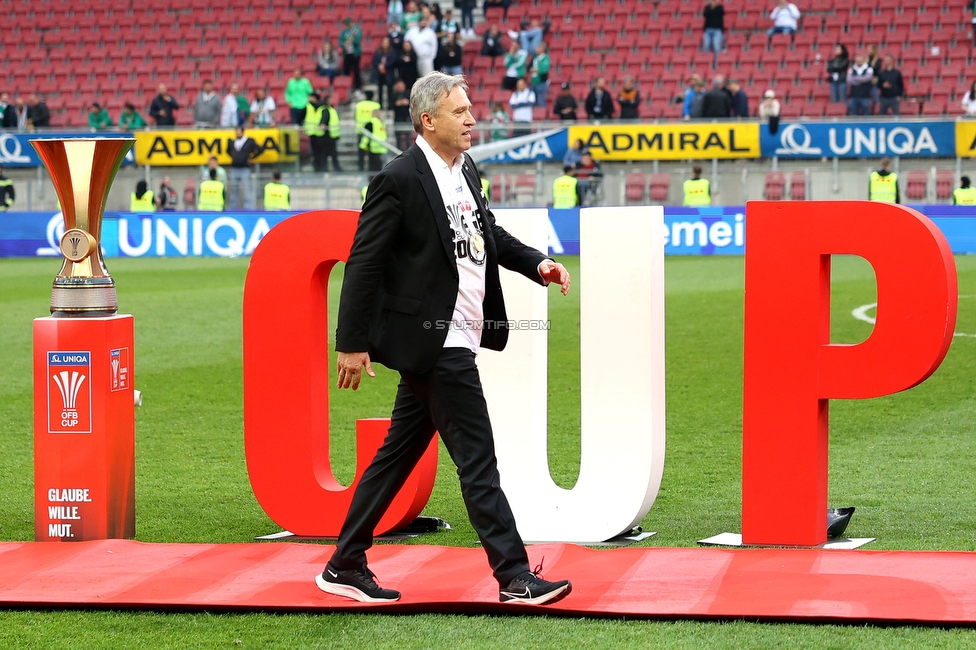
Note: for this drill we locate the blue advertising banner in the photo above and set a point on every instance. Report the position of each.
(552, 148)
(16, 151)
(859, 139)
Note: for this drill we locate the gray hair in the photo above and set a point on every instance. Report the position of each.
(427, 92)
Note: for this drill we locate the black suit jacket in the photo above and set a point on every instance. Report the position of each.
(401, 280)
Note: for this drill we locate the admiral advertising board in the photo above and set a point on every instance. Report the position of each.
(190, 148)
(669, 141)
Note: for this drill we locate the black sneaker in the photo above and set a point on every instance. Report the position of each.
(529, 588)
(358, 585)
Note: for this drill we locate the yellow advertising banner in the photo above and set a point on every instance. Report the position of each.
(669, 141)
(188, 148)
(965, 139)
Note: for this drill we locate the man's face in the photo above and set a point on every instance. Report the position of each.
(239, 132)
(19, 102)
(259, 94)
(734, 87)
(520, 85)
(161, 89)
(600, 83)
(628, 84)
(207, 87)
(212, 163)
(860, 59)
(234, 89)
(5, 98)
(889, 63)
(452, 124)
(298, 73)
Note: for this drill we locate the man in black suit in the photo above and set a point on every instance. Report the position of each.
(421, 294)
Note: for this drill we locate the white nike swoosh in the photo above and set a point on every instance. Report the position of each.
(514, 595)
(332, 573)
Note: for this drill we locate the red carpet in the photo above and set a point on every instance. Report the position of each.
(701, 583)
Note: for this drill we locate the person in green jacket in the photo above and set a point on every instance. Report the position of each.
(98, 117)
(350, 42)
(540, 74)
(296, 94)
(130, 118)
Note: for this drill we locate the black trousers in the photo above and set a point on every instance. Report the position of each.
(448, 399)
(331, 151)
(318, 145)
(350, 66)
(375, 162)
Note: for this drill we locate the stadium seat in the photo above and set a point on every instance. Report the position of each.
(798, 186)
(945, 181)
(775, 182)
(916, 187)
(660, 186)
(634, 187)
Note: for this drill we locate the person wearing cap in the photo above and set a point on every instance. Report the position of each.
(698, 190)
(98, 117)
(350, 42)
(565, 190)
(7, 195)
(965, 194)
(565, 105)
(883, 184)
(769, 109)
(277, 195)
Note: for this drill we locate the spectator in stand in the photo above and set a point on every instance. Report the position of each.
(522, 102)
(297, 91)
(206, 109)
(740, 101)
(401, 114)
(504, 4)
(4, 103)
(229, 117)
(971, 6)
(515, 61)
(629, 99)
(716, 103)
(163, 108)
(694, 95)
(491, 45)
(891, 87)
(167, 198)
(769, 109)
(394, 11)
(467, 16)
(38, 112)
(447, 26)
(98, 117)
(968, 100)
(424, 41)
(213, 165)
(713, 37)
(598, 104)
(15, 117)
(784, 16)
(449, 55)
(406, 65)
(859, 82)
(530, 36)
(874, 60)
(396, 36)
(412, 15)
(565, 105)
(539, 74)
(130, 119)
(384, 70)
(242, 150)
(327, 60)
(837, 67)
(262, 109)
(575, 153)
(500, 119)
(350, 42)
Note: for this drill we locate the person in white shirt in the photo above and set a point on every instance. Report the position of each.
(969, 100)
(522, 102)
(784, 16)
(263, 108)
(424, 42)
(228, 110)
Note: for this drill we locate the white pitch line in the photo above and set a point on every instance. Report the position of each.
(861, 314)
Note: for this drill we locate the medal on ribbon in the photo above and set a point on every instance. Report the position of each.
(476, 249)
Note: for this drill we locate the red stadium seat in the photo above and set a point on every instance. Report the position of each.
(660, 185)
(916, 187)
(945, 180)
(798, 186)
(775, 182)
(634, 187)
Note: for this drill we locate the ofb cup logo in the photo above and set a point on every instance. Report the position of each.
(119, 366)
(69, 398)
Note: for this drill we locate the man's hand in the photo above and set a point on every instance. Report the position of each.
(555, 272)
(350, 368)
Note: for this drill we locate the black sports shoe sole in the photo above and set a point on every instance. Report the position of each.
(546, 598)
(348, 591)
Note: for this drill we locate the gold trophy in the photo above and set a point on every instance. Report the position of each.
(83, 170)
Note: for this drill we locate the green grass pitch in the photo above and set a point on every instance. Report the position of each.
(906, 461)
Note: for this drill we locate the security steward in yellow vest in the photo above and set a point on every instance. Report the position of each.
(314, 127)
(486, 187)
(374, 147)
(698, 191)
(883, 185)
(277, 195)
(331, 132)
(6, 192)
(212, 196)
(964, 194)
(565, 190)
(364, 114)
(142, 200)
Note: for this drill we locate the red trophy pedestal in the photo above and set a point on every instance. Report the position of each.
(84, 428)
